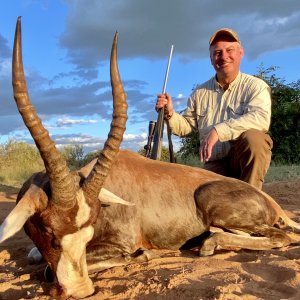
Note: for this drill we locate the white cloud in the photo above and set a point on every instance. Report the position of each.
(5, 67)
(131, 137)
(68, 122)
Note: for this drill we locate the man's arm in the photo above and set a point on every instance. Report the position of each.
(180, 125)
(185, 124)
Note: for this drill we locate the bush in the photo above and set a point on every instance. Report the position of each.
(192, 160)
(165, 154)
(73, 155)
(18, 161)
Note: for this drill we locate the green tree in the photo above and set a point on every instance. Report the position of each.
(189, 145)
(90, 156)
(73, 155)
(285, 122)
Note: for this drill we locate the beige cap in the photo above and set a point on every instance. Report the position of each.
(224, 31)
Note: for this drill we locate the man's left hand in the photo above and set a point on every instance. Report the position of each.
(207, 145)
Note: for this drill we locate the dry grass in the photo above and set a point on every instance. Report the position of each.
(283, 173)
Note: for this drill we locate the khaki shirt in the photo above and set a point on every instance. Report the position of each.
(246, 104)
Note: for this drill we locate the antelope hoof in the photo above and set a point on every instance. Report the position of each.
(204, 252)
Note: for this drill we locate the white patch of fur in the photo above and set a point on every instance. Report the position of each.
(72, 273)
(84, 210)
(16, 219)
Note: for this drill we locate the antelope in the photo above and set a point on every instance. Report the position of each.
(157, 205)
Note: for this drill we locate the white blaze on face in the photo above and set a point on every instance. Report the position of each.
(72, 273)
(84, 210)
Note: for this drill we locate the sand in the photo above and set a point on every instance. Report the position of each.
(244, 274)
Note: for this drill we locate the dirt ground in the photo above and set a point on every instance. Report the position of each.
(243, 274)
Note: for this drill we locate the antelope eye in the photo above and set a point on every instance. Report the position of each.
(55, 244)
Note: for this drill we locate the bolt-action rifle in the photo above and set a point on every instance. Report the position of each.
(159, 127)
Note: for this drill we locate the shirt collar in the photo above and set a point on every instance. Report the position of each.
(218, 88)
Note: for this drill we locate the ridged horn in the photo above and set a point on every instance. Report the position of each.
(96, 178)
(61, 181)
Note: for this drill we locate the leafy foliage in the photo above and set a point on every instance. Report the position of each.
(285, 122)
(18, 161)
(165, 155)
(189, 146)
(75, 157)
(73, 154)
(90, 156)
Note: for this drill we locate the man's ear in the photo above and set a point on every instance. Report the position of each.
(242, 51)
(210, 56)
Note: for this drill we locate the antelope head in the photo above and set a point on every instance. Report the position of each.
(58, 208)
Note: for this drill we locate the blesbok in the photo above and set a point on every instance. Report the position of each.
(165, 206)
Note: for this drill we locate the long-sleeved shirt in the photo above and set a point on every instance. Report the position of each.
(246, 104)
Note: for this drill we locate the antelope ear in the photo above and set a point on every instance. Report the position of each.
(107, 197)
(17, 218)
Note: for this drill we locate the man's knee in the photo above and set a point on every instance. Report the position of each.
(255, 141)
(252, 156)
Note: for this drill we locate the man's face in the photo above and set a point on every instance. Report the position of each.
(226, 57)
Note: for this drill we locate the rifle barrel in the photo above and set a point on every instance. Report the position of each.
(159, 128)
(167, 71)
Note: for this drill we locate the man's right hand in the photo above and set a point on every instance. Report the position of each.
(207, 145)
(165, 100)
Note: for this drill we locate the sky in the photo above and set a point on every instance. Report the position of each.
(66, 46)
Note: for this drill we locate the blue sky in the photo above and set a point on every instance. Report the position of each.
(66, 47)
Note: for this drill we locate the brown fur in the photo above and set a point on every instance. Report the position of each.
(173, 203)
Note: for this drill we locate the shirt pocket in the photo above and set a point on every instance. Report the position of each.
(202, 117)
(236, 110)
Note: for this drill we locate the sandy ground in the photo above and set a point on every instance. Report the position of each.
(243, 274)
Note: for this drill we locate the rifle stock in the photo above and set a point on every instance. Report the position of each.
(158, 135)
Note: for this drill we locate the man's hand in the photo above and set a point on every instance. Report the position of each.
(165, 100)
(207, 145)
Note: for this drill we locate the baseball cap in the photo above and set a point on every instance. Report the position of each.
(225, 31)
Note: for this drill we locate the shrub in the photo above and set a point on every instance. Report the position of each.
(18, 161)
(73, 154)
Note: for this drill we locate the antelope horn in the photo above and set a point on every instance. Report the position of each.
(61, 181)
(94, 182)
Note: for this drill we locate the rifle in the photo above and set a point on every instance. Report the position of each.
(159, 127)
(150, 138)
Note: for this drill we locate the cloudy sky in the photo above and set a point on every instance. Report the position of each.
(66, 47)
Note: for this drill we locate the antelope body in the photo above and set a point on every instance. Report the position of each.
(163, 206)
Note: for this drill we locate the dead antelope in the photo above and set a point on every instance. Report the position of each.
(171, 205)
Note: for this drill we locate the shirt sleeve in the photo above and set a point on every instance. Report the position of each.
(257, 115)
(183, 125)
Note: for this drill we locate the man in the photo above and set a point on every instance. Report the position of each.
(231, 112)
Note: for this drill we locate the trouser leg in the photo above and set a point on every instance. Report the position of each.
(220, 166)
(248, 160)
(250, 157)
